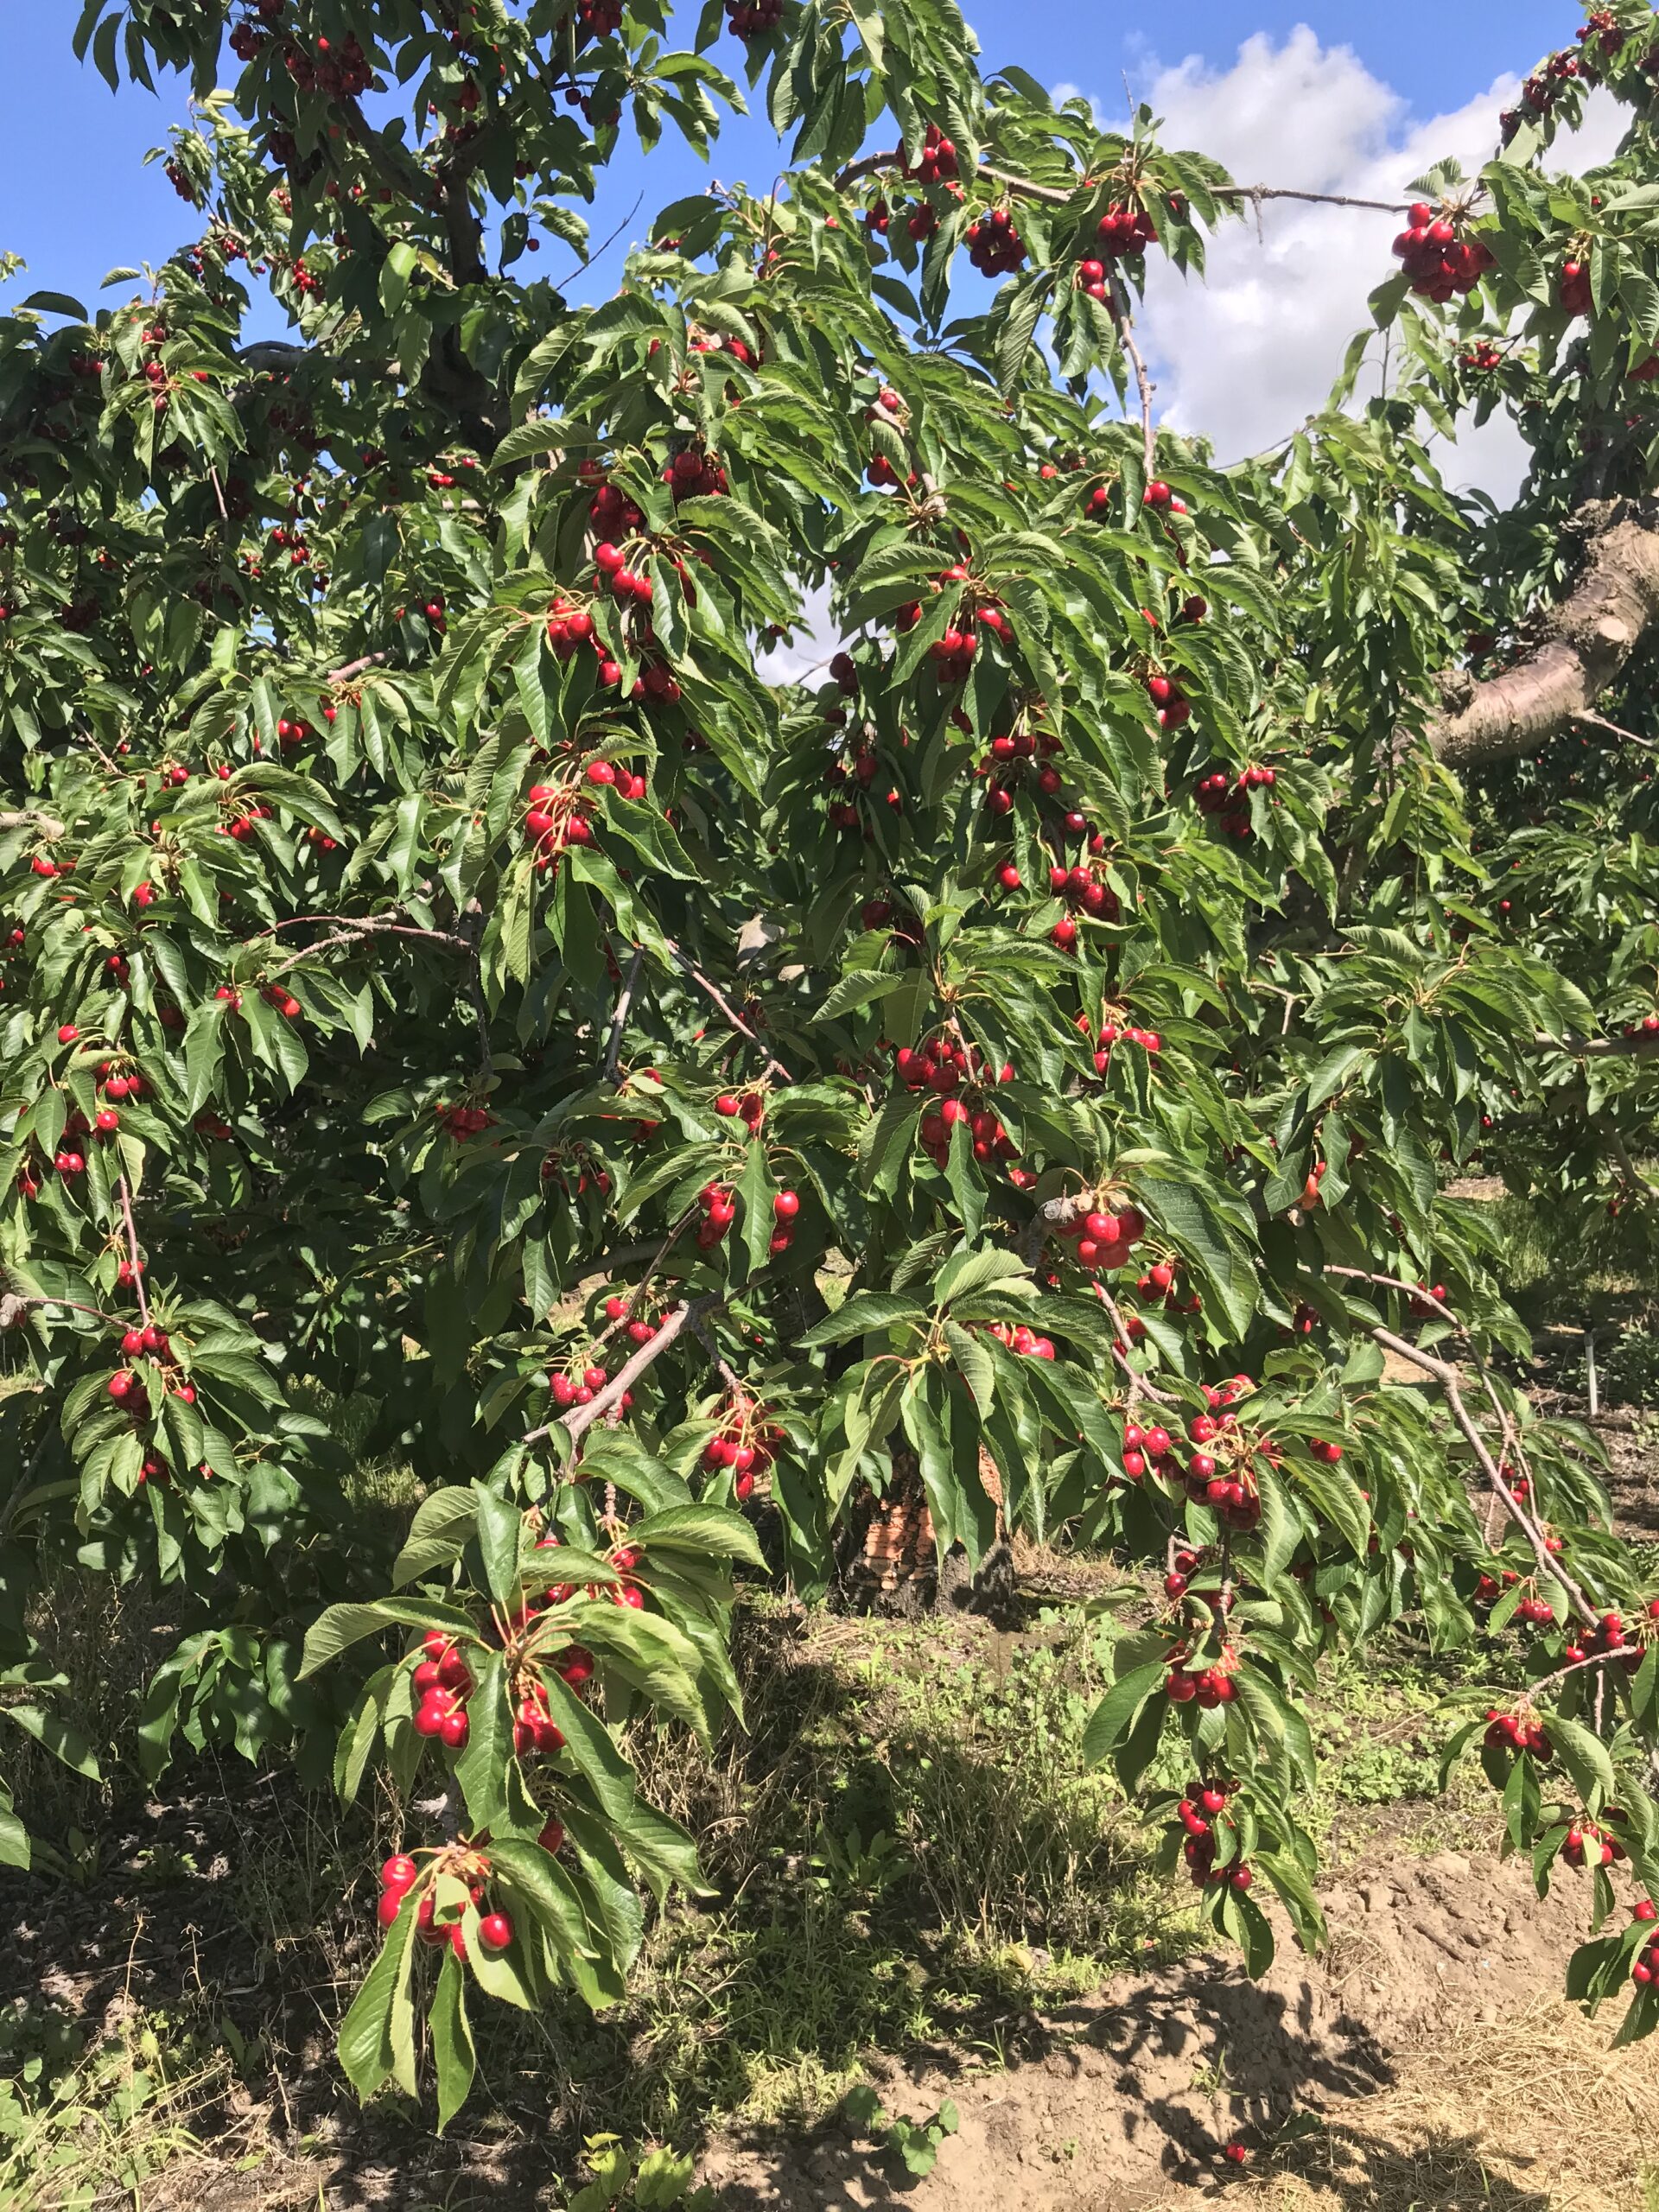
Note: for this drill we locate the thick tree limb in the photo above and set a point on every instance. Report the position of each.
(1585, 642)
(47, 824)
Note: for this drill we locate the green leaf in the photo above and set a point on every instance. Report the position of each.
(341, 1626)
(452, 2058)
(365, 2040)
(866, 1312)
(1117, 1712)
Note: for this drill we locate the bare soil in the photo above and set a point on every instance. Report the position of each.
(1132, 2096)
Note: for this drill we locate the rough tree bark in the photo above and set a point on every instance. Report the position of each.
(1582, 644)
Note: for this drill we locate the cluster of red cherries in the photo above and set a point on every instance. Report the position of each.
(400, 1875)
(746, 1441)
(1204, 1687)
(1079, 886)
(1517, 1731)
(579, 1385)
(610, 510)
(558, 814)
(444, 1683)
(753, 18)
(1198, 1812)
(1124, 234)
(1102, 1235)
(694, 476)
(1439, 262)
(1219, 793)
(1112, 1032)
(464, 1121)
(995, 246)
(1610, 1638)
(1644, 1969)
(1024, 1342)
(1585, 1844)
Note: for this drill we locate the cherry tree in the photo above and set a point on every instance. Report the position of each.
(453, 1007)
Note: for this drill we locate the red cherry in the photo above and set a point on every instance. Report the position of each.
(495, 1931)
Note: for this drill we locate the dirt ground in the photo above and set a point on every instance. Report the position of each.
(1135, 2093)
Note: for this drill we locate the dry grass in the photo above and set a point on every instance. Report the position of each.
(1531, 2113)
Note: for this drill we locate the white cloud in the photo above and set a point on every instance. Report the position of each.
(1246, 354)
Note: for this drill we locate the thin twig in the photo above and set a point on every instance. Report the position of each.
(355, 933)
(1052, 196)
(1599, 1048)
(1600, 721)
(619, 1019)
(12, 1303)
(728, 1375)
(134, 1255)
(1139, 1386)
(1447, 1377)
(713, 991)
(1124, 322)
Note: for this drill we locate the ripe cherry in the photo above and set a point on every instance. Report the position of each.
(495, 1931)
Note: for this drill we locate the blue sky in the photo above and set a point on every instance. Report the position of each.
(75, 201)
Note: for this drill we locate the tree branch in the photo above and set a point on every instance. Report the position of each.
(47, 824)
(1053, 196)
(580, 1419)
(1144, 384)
(619, 1019)
(354, 668)
(369, 925)
(1447, 1377)
(712, 991)
(1600, 1048)
(1583, 645)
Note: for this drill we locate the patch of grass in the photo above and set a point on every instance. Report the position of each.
(907, 1845)
(82, 2127)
